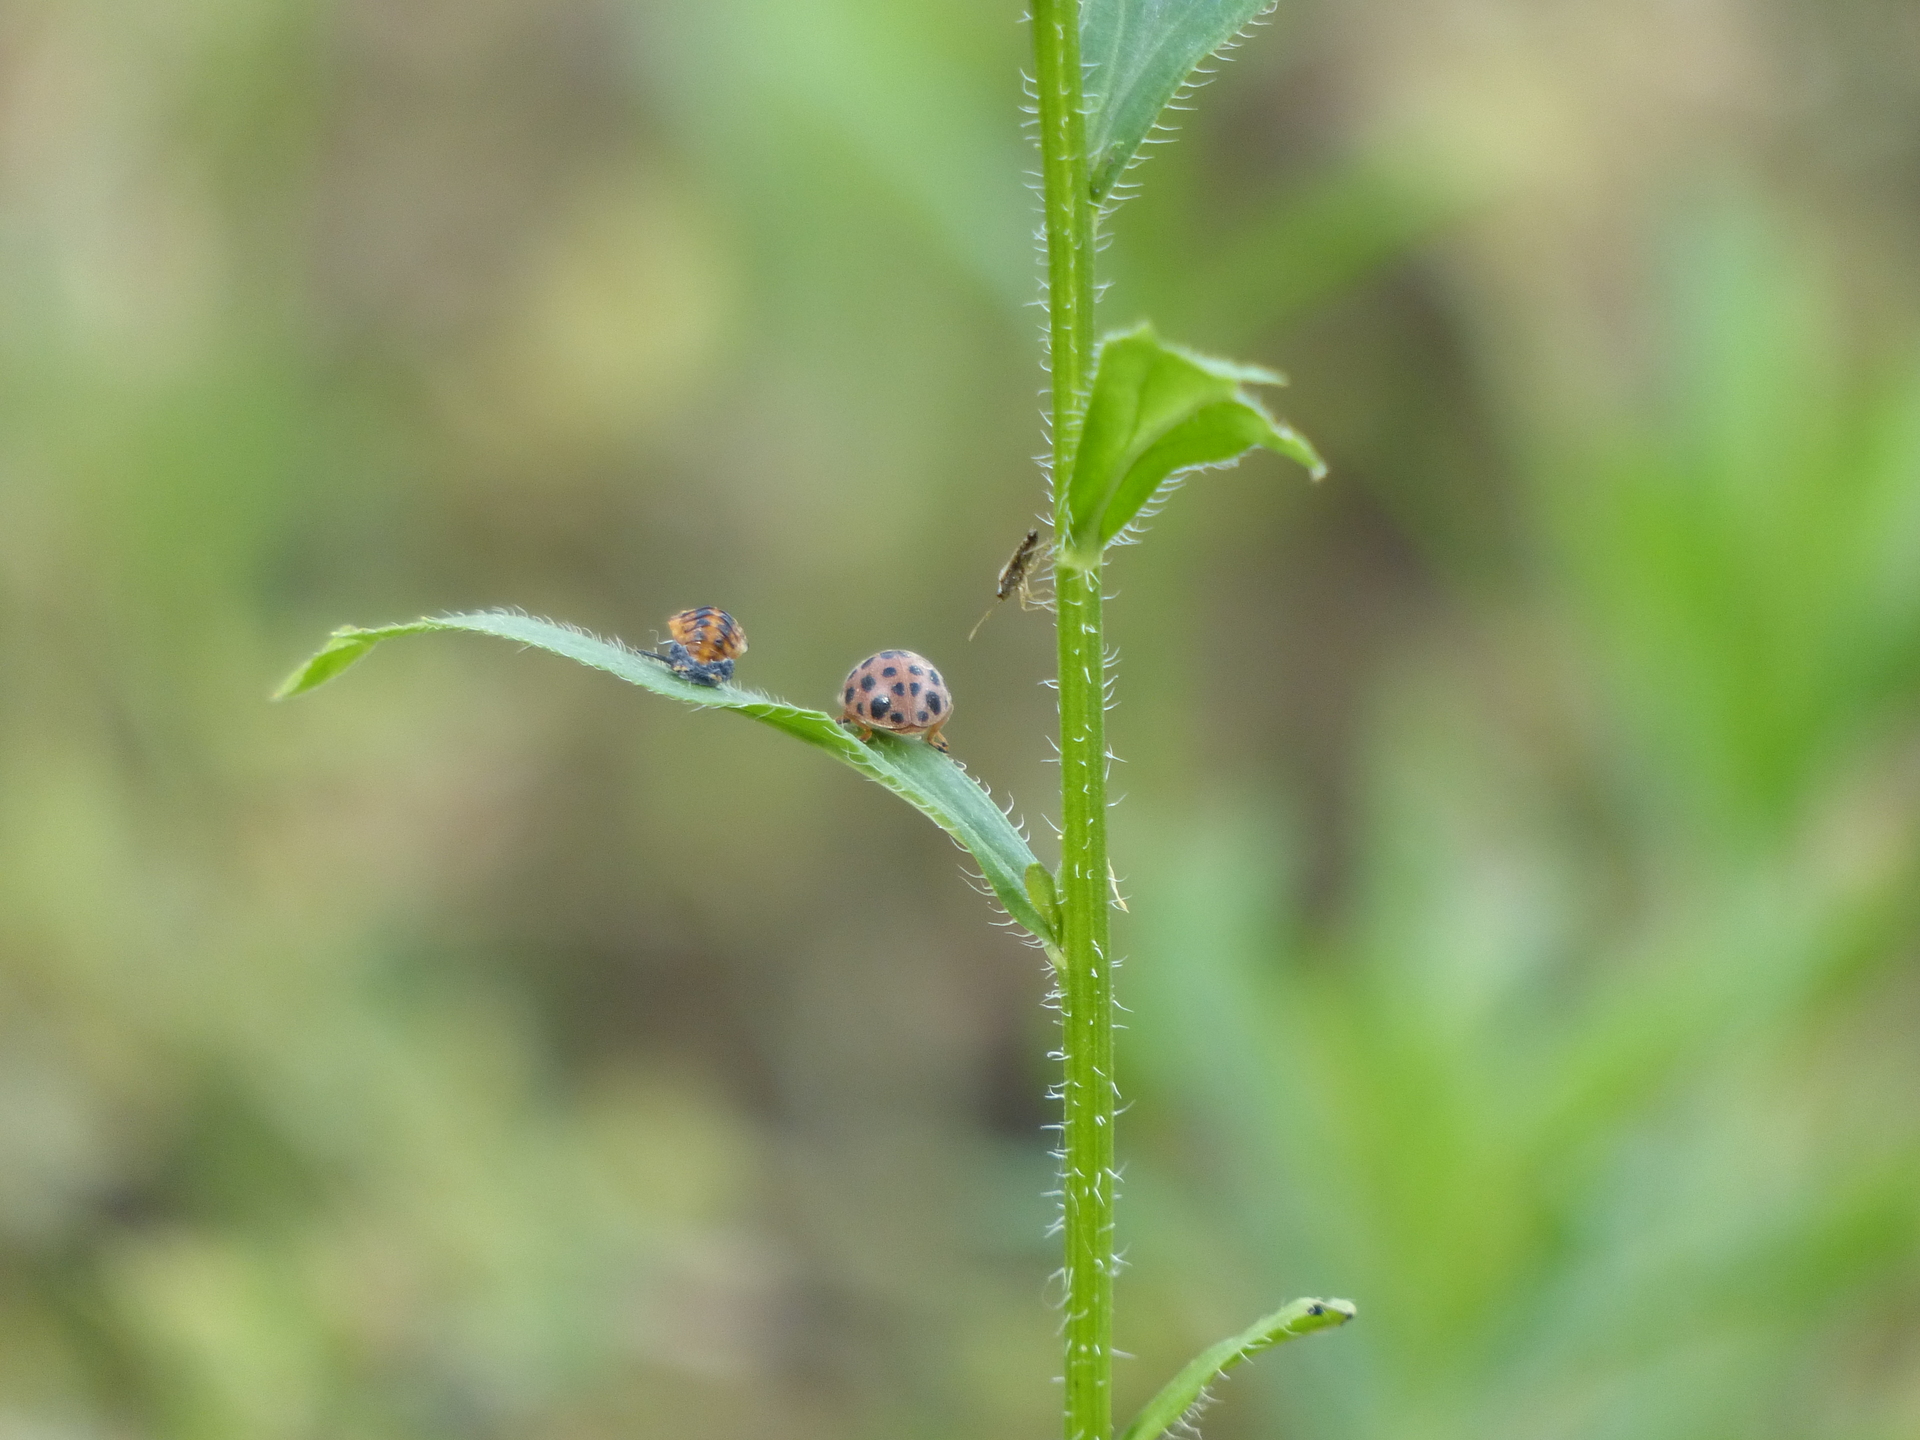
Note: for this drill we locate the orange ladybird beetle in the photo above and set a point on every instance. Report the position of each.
(896, 690)
(704, 644)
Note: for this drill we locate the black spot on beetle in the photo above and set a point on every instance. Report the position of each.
(899, 687)
(866, 682)
(880, 706)
(915, 687)
(891, 670)
(934, 676)
(933, 702)
(915, 670)
(923, 717)
(848, 697)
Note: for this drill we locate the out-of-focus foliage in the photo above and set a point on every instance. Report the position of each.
(1522, 826)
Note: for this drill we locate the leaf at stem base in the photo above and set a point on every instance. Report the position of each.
(1184, 1391)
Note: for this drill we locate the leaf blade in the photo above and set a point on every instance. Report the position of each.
(1139, 53)
(1183, 1392)
(1154, 413)
(934, 784)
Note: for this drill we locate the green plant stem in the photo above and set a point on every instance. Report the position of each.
(1086, 982)
(1086, 989)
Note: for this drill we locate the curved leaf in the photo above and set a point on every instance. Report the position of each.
(932, 783)
(1138, 54)
(1184, 1391)
(1155, 412)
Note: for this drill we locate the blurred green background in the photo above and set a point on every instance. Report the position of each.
(1522, 832)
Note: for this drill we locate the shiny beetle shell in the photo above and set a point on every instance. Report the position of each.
(708, 634)
(896, 690)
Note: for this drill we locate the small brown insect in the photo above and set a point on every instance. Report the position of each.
(704, 645)
(896, 690)
(1013, 579)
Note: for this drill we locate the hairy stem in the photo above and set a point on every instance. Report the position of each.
(1086, 989)
(1086, 982)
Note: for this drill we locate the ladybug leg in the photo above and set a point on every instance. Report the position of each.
(935, 738)
(861, 732)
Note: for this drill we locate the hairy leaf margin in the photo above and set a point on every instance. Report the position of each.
(1138, 54)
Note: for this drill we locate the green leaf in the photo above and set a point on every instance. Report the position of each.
(932, 783)
(1138, 54)
(1180, 1394)
(1156, 412)
(1042, 891)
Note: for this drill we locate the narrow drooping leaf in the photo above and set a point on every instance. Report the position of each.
(1138, 54)
(1157, 412)
(1183, 1392)
(931, 782)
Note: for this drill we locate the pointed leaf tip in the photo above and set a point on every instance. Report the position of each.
(346, 647)
(1154, 413)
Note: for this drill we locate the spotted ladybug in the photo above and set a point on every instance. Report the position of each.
(896, 690)
(704, 644)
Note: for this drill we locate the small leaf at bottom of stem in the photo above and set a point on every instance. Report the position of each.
(1183, 1392)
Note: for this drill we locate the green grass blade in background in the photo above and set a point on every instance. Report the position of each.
(1157, 412)
(1138, 54)
(1184, 1391)
(932, 783)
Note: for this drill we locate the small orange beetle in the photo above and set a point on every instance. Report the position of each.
(896, 690)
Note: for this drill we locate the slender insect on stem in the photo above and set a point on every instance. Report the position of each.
(1013, 580)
